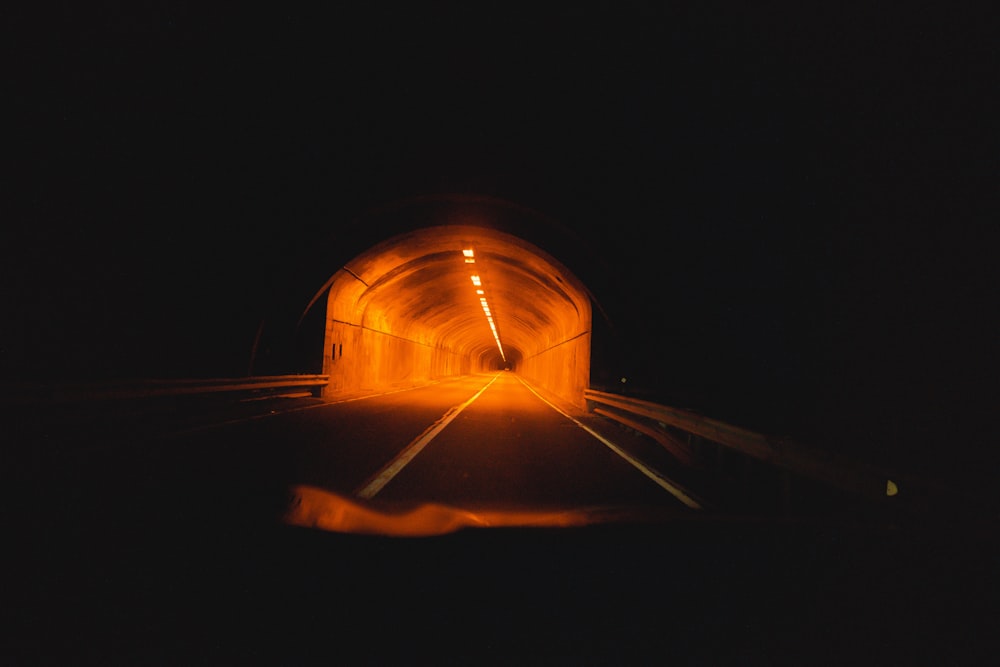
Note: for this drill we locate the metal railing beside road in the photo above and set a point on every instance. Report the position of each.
(60, 393)
(682, 432)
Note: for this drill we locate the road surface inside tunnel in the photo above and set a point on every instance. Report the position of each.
(510, 448)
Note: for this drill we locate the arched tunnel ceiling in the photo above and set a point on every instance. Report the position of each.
(418, 286)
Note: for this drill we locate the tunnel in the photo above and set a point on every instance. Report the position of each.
(455, 299)
(386, 297)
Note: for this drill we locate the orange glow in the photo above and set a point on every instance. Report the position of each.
(372, 307)
(311, 507)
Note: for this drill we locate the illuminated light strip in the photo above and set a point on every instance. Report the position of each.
(669, 486)
(385, 475)
(493, 326)
(468, 253)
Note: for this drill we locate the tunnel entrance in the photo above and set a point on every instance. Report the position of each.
(451, 300)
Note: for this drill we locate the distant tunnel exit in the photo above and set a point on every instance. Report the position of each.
(450, 300)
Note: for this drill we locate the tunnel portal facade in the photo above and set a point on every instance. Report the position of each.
(452, 300)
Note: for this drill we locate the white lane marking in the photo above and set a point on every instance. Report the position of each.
(668, 485)
(385, 475)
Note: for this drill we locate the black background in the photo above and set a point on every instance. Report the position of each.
(792, 204)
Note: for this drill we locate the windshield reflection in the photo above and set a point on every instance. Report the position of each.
(311, 507)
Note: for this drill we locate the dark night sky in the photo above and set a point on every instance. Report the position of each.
(794, 202)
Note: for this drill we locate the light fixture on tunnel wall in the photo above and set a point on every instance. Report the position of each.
(469, 256)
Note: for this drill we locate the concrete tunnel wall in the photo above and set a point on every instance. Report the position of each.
(406, 312)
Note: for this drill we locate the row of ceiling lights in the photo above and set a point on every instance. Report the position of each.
(470, 258)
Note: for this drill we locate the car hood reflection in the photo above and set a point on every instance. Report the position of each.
(311, 507)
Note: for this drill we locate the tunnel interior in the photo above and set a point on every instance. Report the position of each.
(451, 300)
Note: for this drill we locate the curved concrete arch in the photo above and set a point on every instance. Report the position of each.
(393, 218)
(407, 311)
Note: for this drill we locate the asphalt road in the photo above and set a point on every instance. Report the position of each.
(164, 545)
(485, 441)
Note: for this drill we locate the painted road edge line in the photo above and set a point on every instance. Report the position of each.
(669, 486)
(391, 469)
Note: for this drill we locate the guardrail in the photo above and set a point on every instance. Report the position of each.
(64, 393)
(662, 422)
